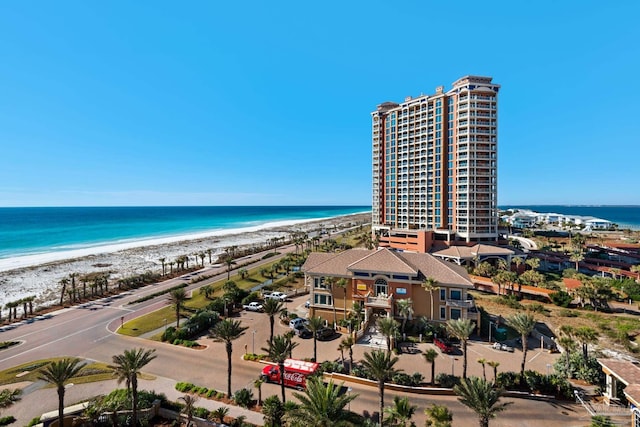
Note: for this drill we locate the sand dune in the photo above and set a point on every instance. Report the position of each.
(40, 274)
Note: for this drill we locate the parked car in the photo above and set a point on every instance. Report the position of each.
(280, 296)
(253, 306)
(307, 303)
(325, 333)
(297, 322)
(302, 331)
(502, 347)
(443, 345)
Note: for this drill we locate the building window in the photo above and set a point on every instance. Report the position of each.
(319, 283)
(322, 299)
(456, 313)
(456, 294)
(381, 287)
(443, 313)
(443, 294)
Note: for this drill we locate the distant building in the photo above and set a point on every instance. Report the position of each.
(378, 279)
(435, 167)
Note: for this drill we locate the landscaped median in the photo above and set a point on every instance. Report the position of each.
(444, 391)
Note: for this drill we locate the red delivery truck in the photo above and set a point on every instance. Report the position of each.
(295, 373)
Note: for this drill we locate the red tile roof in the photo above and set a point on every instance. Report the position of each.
(571, 284)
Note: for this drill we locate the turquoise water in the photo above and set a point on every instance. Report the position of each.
(624, 216)
(26, 231)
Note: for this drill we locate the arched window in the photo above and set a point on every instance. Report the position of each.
(381, 287)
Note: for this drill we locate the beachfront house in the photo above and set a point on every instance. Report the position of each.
(378, 279)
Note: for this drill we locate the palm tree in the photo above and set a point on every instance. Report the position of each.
(323, 406)
(380, 365)
(73, 285)
(483, 362)
(577, 257)
(279, 349)
(9, 397)
(127, 366)
(229, 262)
(438, 416)
(64, 282)
(58, 374)
(315, 324)
(430, 357)
(272, 307)
(330, 282)
(347, 343)
(462, 329)
(401, 412)
(405, 310)
(430, 285)
(227, 331)
(586, 336)
(257, 383)
(480, 396)
(342, 283)
(163, 261)
(494, 365)
(189, 407)
(388, 327)
(177, 298)
(219, 414)
(523, 323)
(569, 345)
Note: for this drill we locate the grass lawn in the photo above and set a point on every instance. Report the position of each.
(156, 320)
(30, 372)
(608, 325)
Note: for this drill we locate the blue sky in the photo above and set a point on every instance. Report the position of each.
(249, 103)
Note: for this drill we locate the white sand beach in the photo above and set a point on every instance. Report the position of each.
(40, 274)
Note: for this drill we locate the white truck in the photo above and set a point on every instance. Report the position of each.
(253, 306)
(280, 296)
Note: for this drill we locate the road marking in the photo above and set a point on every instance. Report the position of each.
(537, 354)
(49, 343)
(104, 337)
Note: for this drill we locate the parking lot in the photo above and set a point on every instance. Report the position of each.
(410, 361)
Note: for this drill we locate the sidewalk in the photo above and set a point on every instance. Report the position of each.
(25, 410)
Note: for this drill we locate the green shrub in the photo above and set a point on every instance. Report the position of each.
(220, 395)
(510, 301)
(402, 378)
(447, 381)
(561, 299)
(201, 413)
(5, 421)
(211, 393)
(567, 313)
(184, 387)
(33, 422)
(243, 397)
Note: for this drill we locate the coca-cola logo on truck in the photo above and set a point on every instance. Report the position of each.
(294, 377)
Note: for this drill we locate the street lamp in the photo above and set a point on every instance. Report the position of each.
(548, 368)
(453, 359)
(253, 342)
(349, 391)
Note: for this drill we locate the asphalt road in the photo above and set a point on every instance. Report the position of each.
(88, 332)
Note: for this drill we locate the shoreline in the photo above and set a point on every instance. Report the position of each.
(31, 260)
(40, 274)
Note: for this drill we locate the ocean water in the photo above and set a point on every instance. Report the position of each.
(624, 216)
(29, 231)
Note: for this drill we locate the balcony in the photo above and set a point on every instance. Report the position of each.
(456, 303)
(380, 301)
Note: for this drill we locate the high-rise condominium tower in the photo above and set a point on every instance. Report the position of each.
(435, 166)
